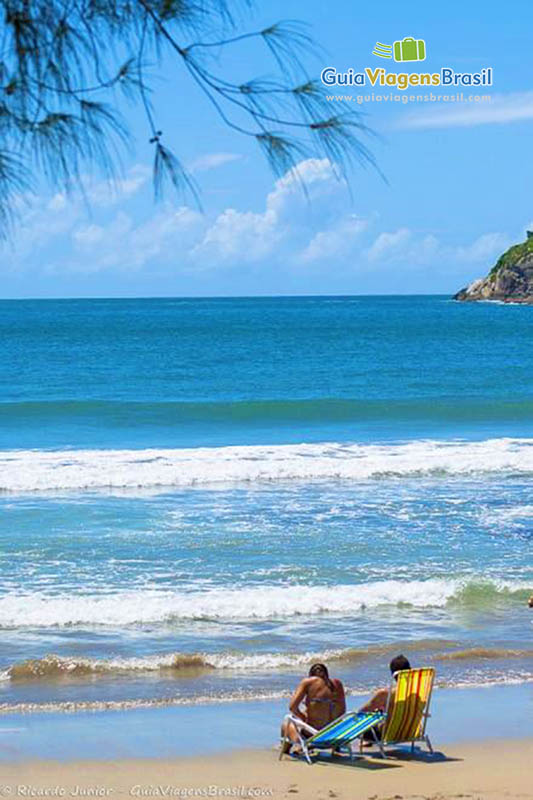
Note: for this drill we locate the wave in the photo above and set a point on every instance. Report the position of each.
(484, 653)
(67, 470)
(270, 411)
(54, 666)
(188, 664)
(150, 606)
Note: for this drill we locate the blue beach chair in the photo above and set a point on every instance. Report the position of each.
(338, 735)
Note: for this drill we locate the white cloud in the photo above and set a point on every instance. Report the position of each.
(501, 109)
(312, 232)
(251, 236)
(405, 247)
(212, 161)
(44, 218)
(388, 245)
(284, 231)
(484, 248)
(41, 221)
(239, 235)
(122, 245)
(103, 193)
(89, 235)
(58, 202)
(335, 242)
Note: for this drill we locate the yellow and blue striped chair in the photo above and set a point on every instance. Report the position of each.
(407, 711)
(336, 736)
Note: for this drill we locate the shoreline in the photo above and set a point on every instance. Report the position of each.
(69, 707)
(222, 728)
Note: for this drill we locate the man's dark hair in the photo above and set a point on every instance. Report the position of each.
(398, 663)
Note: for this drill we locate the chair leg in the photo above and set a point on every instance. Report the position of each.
(305, 749)
(379, 743)
(430, 748)
(282, 743)
(307, 754)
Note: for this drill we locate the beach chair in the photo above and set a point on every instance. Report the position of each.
(407, 710)
(338, 735)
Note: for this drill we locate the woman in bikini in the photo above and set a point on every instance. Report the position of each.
(323, 699)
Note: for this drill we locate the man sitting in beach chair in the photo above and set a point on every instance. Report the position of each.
(405, 707)
(380, 698)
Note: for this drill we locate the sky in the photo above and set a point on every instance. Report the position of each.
(454, 190)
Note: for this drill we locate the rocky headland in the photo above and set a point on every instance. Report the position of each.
(509, 281)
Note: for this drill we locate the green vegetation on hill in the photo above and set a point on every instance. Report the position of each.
(512, 256)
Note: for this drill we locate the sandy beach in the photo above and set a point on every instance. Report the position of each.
(471, 770)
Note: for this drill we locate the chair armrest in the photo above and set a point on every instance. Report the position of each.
(300, 723)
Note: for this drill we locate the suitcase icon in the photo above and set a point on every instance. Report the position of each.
(410, 49)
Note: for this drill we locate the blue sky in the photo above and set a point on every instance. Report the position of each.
(458, 188)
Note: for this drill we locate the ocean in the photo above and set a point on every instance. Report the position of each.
(200, 497)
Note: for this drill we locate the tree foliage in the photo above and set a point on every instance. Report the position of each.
(62, 62)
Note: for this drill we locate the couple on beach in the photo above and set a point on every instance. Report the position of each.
(324, 700)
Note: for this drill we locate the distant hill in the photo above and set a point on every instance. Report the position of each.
(510, 280)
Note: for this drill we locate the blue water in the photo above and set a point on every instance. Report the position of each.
(173, 373)
(200, 496)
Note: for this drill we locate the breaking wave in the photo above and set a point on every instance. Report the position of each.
(189, 664)
(177, 664)
(69, 470)
(150, 606)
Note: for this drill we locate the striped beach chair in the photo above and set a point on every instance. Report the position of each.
(338, 735)
(407, 710)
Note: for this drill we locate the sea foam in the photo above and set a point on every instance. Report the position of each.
(150, 605)
(71, 470)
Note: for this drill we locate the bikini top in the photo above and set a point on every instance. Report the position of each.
(322, 700)
(328, 700)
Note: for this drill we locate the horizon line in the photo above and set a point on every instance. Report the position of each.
(222, 296)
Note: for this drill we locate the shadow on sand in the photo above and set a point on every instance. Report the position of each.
(374, 762)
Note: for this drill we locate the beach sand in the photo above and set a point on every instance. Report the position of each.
(493, 769)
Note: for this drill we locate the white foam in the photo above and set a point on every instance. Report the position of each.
(38, 470)
(495, 516)
(478, 681)
(143, 606)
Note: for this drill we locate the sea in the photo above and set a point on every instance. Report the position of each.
(199, 498)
